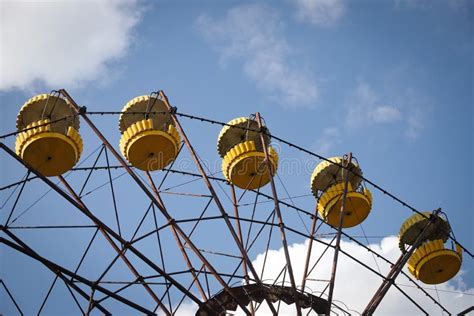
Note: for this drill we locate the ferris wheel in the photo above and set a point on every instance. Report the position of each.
(145, 225)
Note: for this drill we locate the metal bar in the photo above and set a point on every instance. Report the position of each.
(17, 198)
(60, 271)
(249, 231)
(129, 284)
(91, 305)
(347, 162)
(47, 294)
(11, 297)
(39, 125)
(239, 232)
(268, 244)
(94, 166)
(207, 283)
(112, 191)
(200, 218)
(120, 252)
(178, 241)
(167, 293)
(86, 251)
(162, 257)
(168, 224)
(251, 244)
(52, 227)
(111, 264)
(320, 257)
(396, 268)
(310, 247)
(283, 270)
(81, 207)
(169, 168)
(190, 286)
(74, 297)
(16, 183)
(281, 225)
(466, 311)
(411, 299)
(216, 199)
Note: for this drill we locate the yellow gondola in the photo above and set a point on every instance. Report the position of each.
(357, 207)
(240, 145)
(328, 173)
(149, 139)
(432, 263)
(414, 225)
(51, 142)
(237, 131)
(244, 166)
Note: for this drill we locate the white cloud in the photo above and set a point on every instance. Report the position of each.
(414, 4)
(414, 125)
(320, 12)
(408, 109)
(253, 34)
(355, 285)
(62, 43)
(425, 5)
(365, 107)
(385, 113)
(329, 137)
(187, 308)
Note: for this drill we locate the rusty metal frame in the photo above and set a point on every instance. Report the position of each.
(397, 267)
(281, 225)
(217, 201)
(347, 162)
(82, 112)
(126, 245)
(106, 231)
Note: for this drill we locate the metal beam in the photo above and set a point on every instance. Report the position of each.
(281, 225)
(310, 247)
(347, 162)
(239, 232)
(397, 267)
(178, 241)
(11, 297)
(61, 272)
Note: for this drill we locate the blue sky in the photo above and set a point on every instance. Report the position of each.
(390, 81)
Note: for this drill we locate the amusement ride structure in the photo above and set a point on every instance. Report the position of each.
(171, 249)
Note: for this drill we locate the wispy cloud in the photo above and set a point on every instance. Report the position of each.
(56, 44)
(330, 137)
(324, 13)
(254, 35)
(366, 108)
(414, 4)
(415, 124)
(385, 114)
(425, 5)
